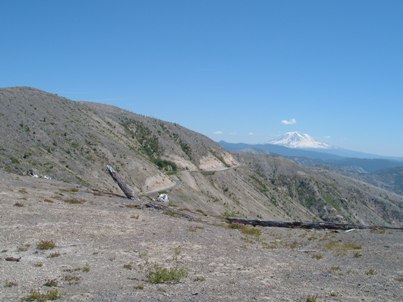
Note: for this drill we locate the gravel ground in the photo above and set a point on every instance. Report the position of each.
(105, 250)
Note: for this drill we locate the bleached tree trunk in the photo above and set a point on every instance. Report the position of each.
(121, 183)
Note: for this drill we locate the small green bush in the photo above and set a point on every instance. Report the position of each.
(36, 295)
(159, 274)
(45, 245)
(312, 298)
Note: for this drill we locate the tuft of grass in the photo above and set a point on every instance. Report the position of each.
(9, 283)
(51, 283)
(378, 231)
(199, 279)
(335, 268)
(23, 191)
(48, 200)
(139, 286)
(246, 229)
(357, 255)
(38, 264)
(371, 272)
(312, 298)
(74, 201)
(195, 228)
(128, 266)
(317, 256)
(399, 278)
(45, 245)
(342, 247)
(19, 204)
(333, 293)
(158, 274)
(54, 255)
(71, 279)
(36, 295)
(23, 248)
(86, 268)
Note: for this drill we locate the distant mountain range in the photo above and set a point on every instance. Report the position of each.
(385, 172)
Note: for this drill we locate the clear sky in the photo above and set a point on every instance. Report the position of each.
(232, 70)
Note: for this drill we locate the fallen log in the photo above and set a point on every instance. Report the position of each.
(121, 183)
(306, 225)
(148, 204)
(167, 210)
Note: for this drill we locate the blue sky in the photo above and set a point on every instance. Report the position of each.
(232, 70)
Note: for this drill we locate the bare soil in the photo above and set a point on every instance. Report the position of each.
(105, 247)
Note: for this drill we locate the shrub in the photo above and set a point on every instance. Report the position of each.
(158, 274)
(51, 283)
(317, 256)
(312, 298)
(36, 295)
(371, 272)
(46, 245)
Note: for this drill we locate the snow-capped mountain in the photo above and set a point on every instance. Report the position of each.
(298, 140)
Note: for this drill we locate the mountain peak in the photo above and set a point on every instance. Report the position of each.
(298, 140)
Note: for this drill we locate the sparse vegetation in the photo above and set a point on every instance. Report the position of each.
(253, 231)
(139, 286)
(399, 278)
(195, 228)
(335, 268)
(312, 298)
(342, 247)
(9, 283)
(378, 231)
(371, 272)
(54, 255)
(128, 266)
(86, 268)
(36, 295)
(18, 204)
(357, 254)
(158, 274)
(317, 256)
(46, 245)
(23, 191)
(332, 293)
(38, 264)
(74, 201)
(199, 279)
(71, 279)
(51, 283)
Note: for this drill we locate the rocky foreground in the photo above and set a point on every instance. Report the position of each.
(65, 242)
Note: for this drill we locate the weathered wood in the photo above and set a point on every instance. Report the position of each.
(305, 225)
(148, 204)
(121, 183)
(167, 210)
(13, 259)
